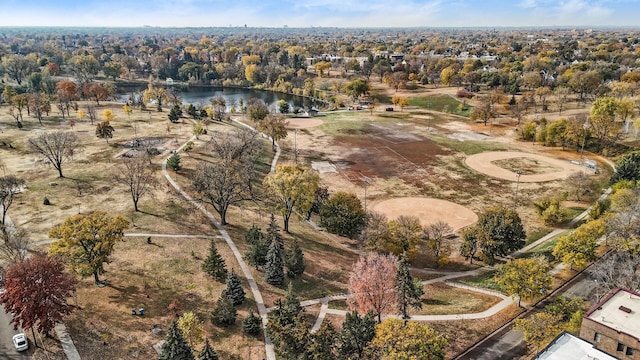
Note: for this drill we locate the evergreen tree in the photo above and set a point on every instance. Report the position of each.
(224, 313)
(408, 290)
(288, 329)
(175, 113)
(273, 268)
(214, 264)
(207, 353)
(273, 234)
(234, 291)
(357, 332)
(175, 347)
(323, 343)
(258, 247)
(295, 261)
(174, 162)
(252, 324)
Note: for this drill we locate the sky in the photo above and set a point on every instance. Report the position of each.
(320, 13)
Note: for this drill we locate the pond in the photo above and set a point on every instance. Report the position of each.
(200, 95)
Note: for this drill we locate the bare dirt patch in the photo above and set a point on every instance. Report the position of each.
(527, 166)
(428, 211)
(486, 163)
(303, 123)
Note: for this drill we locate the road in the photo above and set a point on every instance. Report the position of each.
(7, 350)
(510, 344)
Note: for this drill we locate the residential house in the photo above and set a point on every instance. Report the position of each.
(613, 325)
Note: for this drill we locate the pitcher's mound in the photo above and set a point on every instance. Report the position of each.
(428, 210)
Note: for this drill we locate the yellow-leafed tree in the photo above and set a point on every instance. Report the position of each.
(87, 241)
(294, 188)
(396, 340)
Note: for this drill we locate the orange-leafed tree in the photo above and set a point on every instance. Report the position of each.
(66, 92)
(372, 284)
(95, 91)
(36, 293)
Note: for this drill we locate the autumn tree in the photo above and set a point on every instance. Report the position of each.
(10, 186)
(17, 67)
(343, 214)
(96, 92)
(87, 241)
(602, 120)
(84, 67)
(539, 329)
(396, 340)
(191, 328)
(526, 278)
(274, 126)
(257, 111)
(293, 187)
(137, 175)
(357, 332)
(36, 291)
(579, 247)
(356, 88)
(400, 101)
(66, 92)
(56, 147)
(159, 95)
(104, 130)
(372, 284)
(408, 290)
(175, 347)
(438, 241)
(228, 180)
(14, 244)
(504, 232)
(214, 265)
(218, 107)
(405, 234)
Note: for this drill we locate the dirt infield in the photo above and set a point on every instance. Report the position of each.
(303, 123)
(483, 163)
(428, 210)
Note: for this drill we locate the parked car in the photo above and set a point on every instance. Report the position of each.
(389, 109)
(20, 341)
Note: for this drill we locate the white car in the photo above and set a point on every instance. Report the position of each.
(20, 341)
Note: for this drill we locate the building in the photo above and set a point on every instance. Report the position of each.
(613, 325)
(569, 347)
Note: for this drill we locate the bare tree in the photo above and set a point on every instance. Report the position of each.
(55, 147)
(9, 187)
(438, 241)
(613, 270)
(137, 174)
(228, 180)
(14, 244)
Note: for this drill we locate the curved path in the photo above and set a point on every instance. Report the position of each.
(483, 163)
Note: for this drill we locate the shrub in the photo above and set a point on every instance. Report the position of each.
(46, 201)
(464, 93)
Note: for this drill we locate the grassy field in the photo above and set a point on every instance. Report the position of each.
(441, 103)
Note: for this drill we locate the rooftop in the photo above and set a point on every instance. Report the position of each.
(620, 311)
(570, 347)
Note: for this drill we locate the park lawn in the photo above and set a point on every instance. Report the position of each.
(440, 298)
(441, 103)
